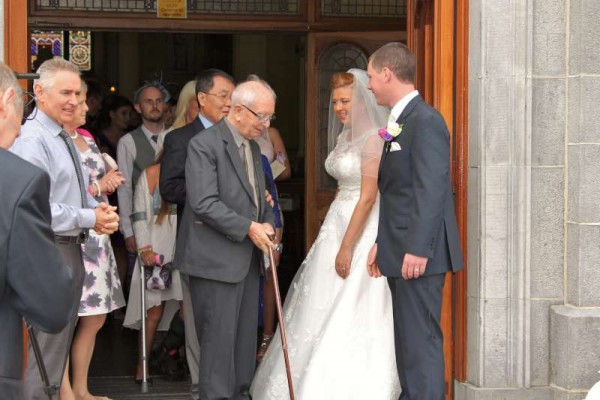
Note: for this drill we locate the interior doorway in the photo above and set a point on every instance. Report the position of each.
(123, 61)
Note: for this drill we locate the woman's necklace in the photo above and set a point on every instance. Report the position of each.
(75, 136)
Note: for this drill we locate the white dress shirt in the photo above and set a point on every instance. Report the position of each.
(126, 153)
(41, 145)
(401, 105)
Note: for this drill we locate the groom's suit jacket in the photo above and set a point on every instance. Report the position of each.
(416, 205)
(213, 240)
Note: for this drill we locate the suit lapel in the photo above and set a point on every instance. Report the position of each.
(234, 155)
(401, 120)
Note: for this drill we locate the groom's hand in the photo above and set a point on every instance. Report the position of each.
(372, 266)
(413, 266)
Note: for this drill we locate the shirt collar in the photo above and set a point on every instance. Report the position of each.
(401, 105)
(149, 134)
(48, 123)
(237, 136)
(207, 124)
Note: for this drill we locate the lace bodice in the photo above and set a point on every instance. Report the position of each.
(344, 164)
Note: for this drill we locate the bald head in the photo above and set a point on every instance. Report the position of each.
(252, 107)
(11, 107)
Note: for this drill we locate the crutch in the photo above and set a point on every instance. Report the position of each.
(144, 388)
(284, 347)
(49, 389)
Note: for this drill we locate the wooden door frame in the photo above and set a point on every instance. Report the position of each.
(16, 36)
(444, 25)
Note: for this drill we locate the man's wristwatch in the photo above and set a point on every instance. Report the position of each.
(279, 247)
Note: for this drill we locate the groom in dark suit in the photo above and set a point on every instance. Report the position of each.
(224, 230)
(417, 240)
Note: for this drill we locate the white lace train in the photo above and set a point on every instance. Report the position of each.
(339, 332)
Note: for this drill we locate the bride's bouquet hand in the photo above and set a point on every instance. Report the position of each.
(343, 261)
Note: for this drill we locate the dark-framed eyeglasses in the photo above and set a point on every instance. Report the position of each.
(223, 95)
(264, 118)
(29, 108)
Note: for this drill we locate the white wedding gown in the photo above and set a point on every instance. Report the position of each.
(339, 332)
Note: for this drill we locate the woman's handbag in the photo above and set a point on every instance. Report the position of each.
(159, 275)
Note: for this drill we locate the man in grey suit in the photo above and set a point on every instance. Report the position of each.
(45, 144)
(225, 228)
(34, 285)
(417, 241)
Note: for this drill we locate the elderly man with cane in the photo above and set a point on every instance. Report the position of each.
(224, 232)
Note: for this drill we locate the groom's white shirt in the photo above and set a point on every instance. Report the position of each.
(401, 105)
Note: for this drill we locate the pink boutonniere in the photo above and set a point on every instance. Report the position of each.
(390, 132)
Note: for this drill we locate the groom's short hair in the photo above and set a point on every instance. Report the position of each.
(398, 58)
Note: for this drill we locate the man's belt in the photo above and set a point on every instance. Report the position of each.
(79, 239)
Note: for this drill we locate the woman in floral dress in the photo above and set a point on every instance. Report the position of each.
(102, 292)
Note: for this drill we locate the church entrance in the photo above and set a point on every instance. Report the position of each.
(295, 45)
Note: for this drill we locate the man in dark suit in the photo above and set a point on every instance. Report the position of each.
(226, 223)
(34, 283)
(417, 240)
(213, 93)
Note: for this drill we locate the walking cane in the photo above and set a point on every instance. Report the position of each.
(284, 347)
(144, 388)
(49, 389)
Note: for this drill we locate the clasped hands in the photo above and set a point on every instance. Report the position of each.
(111, 181)
(107, 220)
(260, 235)
(413, 266)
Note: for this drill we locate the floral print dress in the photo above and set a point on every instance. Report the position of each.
(102, 291)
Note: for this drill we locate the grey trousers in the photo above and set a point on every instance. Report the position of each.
(417, 305)
(227, 323)
(192, 347)
(55, 347)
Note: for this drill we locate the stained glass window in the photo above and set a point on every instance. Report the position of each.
(80, 49)
(46, 45)
(49, 44)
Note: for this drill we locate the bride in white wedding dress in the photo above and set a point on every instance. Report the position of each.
(339, 321)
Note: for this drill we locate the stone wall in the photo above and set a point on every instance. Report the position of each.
(534, 200)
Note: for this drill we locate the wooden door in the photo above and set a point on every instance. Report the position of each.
(436, 33)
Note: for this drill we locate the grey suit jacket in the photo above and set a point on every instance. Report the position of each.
(416, 206)
(34, 283)
(213, 239)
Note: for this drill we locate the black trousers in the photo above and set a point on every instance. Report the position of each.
(418, 336)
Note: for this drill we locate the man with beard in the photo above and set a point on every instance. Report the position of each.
(136, 151)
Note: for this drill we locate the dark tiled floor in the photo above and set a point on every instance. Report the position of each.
(124, 388)
(114, 363)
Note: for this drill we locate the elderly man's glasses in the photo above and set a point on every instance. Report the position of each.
(223, 96)
(264, 118)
